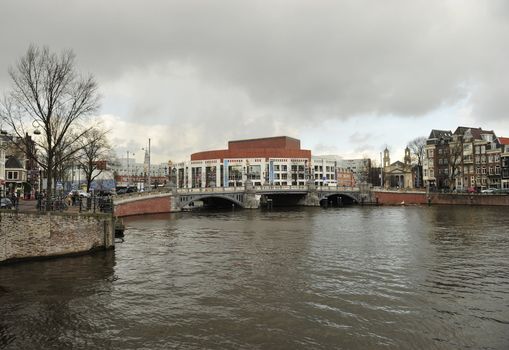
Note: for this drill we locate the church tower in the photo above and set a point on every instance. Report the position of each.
(387, 159)
(408, 159)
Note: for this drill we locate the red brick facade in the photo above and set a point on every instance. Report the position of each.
(281, 142)
(396, 198)
(270, 147)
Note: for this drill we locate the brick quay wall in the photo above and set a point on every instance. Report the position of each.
(415, 197)
(141, 206)
(37, 235)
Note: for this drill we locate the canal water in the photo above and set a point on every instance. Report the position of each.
(300, 278)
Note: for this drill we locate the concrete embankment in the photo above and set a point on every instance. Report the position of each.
(33, 235)
(416, 197)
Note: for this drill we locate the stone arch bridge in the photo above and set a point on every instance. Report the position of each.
(250, 197)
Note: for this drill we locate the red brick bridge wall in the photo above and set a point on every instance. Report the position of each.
(153, 205)
(392, 198)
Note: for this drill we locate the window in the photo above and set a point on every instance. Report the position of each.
(483, 170)
(497, 170)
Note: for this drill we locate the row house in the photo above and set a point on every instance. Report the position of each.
(466, 159)
(436, 159)
(504, 162)
(18, 168)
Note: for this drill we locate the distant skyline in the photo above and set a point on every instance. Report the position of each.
(345, 77)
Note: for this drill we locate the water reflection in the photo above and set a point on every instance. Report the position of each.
(356, 278)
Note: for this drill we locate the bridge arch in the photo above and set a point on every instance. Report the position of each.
(338, 199)
(235, 198)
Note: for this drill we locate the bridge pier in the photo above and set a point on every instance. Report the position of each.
(175, 201)
(251, 201)
(311, 199)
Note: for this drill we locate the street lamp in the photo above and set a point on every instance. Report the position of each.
(36, 126)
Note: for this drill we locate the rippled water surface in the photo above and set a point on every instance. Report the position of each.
(348, 278)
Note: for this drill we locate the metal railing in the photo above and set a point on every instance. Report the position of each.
(94, 204)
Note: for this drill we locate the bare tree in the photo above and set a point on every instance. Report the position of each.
(49, 94)
(454, 157)
(93, 155)
(416, 147)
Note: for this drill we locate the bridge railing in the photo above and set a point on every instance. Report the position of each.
(263, 188)
(337, 188)
(281, 188)
(210, 189)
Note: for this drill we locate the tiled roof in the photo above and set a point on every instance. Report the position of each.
(503, 140)
(13, 163)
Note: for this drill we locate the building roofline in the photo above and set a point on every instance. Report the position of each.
(265, 138)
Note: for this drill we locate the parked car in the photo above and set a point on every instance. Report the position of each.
(471, 190)
(104, 193)
(489, 190)
(80, 193)
(124, 190)
(5, 203)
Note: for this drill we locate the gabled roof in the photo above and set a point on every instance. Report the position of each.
(440, 134)
(437, 135)
(476, 132)
(503, 140)
(13, 163)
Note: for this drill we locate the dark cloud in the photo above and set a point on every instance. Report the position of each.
(250, 68)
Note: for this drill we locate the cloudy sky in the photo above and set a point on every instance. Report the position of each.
(345, 77)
